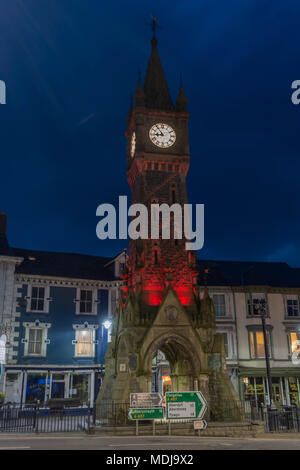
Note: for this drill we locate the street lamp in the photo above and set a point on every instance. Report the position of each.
(106, 324)
(261, 308)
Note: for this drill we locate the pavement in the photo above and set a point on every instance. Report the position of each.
(114, 443)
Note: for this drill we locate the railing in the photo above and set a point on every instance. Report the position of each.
(111, 414)
(42, 419)
(17, 418)
(280, 419)
(286, 419)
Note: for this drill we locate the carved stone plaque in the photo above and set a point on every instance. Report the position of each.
(171, 313)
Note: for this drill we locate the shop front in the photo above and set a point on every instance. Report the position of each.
(285, 389)
(29, 386)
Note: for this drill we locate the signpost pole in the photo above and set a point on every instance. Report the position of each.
(153, 427)
(137, 428)
(169, 428)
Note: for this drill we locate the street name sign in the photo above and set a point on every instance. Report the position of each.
(147, 413)
(185, 405)
(145, 400)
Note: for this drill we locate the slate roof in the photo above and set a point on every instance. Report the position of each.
(248, 273)
(69, 265)
(155, 87)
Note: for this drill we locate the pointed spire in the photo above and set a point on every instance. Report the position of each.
(156, 88)
(139, 96)
(182, 102)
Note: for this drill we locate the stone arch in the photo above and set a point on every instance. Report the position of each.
(180, 352)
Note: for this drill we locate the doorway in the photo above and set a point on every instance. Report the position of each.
(58, 386)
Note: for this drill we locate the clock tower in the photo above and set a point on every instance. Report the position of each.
(159, 307)
(158, 158)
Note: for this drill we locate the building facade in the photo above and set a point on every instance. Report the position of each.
(236, 289)
(55, 309)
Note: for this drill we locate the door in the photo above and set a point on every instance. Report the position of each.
(277, 394)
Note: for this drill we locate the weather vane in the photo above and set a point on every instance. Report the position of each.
(154, 24)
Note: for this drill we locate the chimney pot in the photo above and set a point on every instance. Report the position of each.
(3, 220)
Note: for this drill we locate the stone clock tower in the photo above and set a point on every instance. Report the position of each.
(159, 306)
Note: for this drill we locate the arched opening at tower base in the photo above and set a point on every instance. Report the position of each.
(172, 365)
(169, 374)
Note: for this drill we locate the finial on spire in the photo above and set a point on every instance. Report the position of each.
(154, 25)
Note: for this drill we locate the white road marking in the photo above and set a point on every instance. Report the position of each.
(14, 448)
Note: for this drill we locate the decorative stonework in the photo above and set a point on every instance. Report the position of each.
(63, 282)
(171, 313)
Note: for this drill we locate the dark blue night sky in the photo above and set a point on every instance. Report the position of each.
(70, 66)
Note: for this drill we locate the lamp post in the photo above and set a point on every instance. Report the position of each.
(106, 324)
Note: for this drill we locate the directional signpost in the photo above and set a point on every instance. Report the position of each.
(145, 400)
(146, 413)
(185, 405)
(200, 425)
(145, 406)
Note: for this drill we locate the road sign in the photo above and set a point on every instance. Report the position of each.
(146, 413)
(200, 425)
(185, 405)
(145, 400)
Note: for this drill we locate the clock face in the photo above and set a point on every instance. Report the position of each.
(162, 135)
(132, 145)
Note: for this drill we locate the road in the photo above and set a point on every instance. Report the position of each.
(84, 442)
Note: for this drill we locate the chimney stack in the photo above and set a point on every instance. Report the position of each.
(3, 220)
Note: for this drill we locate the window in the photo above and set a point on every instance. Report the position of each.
(35, 341)
(38, 299)
(294, 337)
(255, 389)
(229, 343)
(225, 335)
(85, 344)
(292, 306)
(256, 304)
(80, 386)
(257, 345)
(86, 301)
(219, 304)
